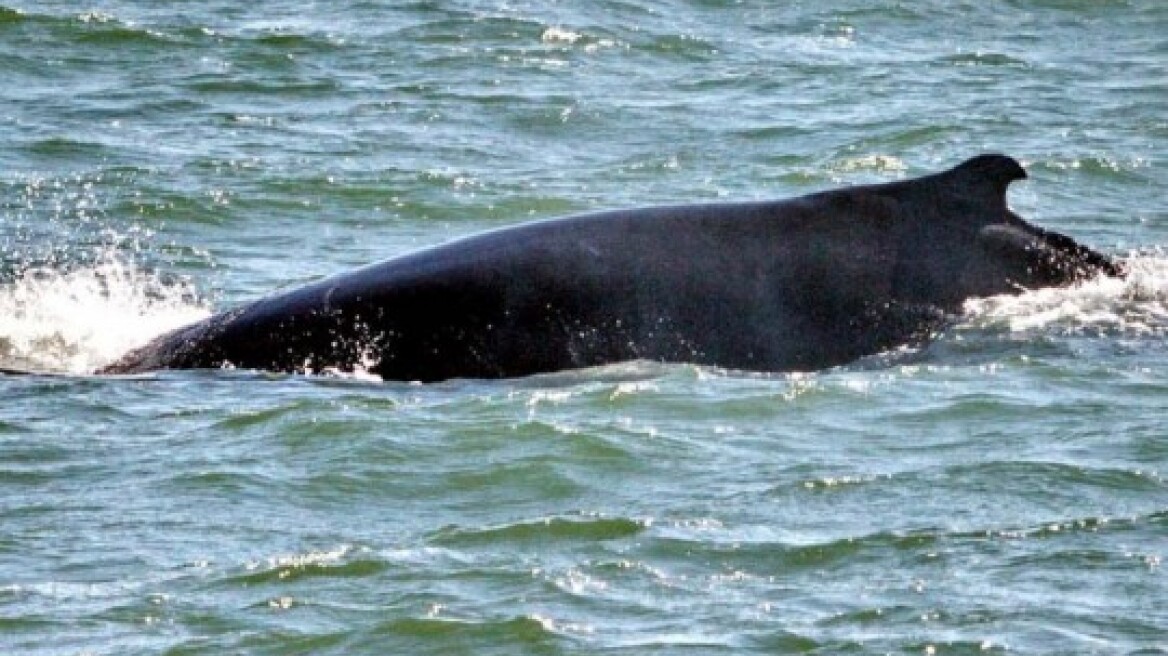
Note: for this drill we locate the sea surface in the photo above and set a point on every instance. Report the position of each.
(1001, 490)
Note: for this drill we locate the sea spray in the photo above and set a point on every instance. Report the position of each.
(1134, 306)
(75, 320)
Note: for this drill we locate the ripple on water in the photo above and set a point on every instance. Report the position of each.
(488, 636)
(548, 530)
(10, 16)
(341, 563)
(980, 58)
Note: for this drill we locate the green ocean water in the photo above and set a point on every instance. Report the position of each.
(1000, 491)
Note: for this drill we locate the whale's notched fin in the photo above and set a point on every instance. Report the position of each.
(996, 170)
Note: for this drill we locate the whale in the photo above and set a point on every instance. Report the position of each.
(798, 284)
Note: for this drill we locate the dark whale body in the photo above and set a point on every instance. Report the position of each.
(790, 285)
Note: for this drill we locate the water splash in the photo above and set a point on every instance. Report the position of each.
(77, 320)
(1136, 306)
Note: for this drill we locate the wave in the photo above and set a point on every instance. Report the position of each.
(92, 27)
(525, 629)
(336, 563)
(543, 530)
(1103, 166)
(10, 16)
(980, 58)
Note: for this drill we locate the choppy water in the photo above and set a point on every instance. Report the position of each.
(1001, 491)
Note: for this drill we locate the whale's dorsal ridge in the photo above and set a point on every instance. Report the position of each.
(792, 285)
(993, 169)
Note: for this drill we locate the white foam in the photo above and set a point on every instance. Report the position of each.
(1136, 306)
(362, 370)
(560, 35)
(78, 320)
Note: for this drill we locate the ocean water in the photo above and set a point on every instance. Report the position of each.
(1001, 490)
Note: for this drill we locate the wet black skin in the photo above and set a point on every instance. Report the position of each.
(790, 285)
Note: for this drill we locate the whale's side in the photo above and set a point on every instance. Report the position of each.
(798, 284)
